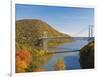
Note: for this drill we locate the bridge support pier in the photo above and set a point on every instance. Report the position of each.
(45, 41)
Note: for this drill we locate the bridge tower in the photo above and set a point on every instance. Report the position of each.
(90, 32)
(45, 40)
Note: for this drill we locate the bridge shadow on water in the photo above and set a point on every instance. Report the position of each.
(56, 52)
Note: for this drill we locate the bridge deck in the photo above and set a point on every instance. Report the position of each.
(74, 38)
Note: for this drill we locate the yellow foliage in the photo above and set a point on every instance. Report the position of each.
(59, 65)
(20, 65)
(38, 69)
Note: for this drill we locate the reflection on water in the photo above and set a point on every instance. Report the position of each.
(59, 61)
(71, 59)
(72, 62)
(38, 62)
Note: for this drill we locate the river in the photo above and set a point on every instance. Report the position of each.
(71, 59)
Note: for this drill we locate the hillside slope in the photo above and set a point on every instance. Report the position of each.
(28, 32)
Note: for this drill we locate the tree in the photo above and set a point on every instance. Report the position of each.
(23, 59)
(59, 65)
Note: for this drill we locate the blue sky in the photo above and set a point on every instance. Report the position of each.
(69, 20)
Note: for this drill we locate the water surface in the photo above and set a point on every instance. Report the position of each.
(71, 59)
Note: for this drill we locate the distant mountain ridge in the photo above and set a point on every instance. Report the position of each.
(28, 31)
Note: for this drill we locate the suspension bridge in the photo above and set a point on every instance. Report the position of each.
(45, 38)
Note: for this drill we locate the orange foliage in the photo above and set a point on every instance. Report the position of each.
(38, 69)
(23, 58)
(59, 65)
(25, 55)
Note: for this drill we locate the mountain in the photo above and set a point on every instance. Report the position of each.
(29, 31)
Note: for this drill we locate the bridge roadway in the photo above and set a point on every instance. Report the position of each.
(74, 38)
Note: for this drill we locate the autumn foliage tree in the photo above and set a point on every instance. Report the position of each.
(38, 70)
(59, 65)
(23, 59)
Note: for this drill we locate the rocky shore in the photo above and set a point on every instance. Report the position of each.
(87, 56)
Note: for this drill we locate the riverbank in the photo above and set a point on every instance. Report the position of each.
(87, 56)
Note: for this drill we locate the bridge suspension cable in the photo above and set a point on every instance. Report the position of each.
(87, 29)
(80, 32)
(90, 34)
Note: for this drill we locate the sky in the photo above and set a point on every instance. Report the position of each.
(71, 20)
